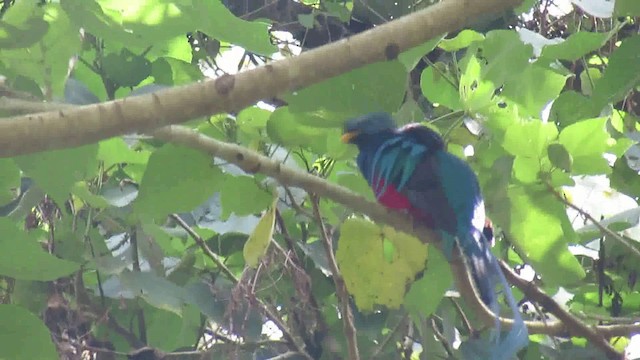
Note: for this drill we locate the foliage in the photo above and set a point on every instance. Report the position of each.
(135, 231)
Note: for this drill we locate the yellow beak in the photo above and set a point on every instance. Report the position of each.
(348, 136)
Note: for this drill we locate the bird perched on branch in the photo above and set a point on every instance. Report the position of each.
(409, 169)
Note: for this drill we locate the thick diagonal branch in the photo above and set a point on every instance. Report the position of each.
(87, 124)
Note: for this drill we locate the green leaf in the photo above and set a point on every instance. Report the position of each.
(82, 191)
(586, 141)
(529, 139)
(575, 46)
(622, 73)
(626, 8)
(167, 331)
(291, 130)
(107, 25)
(375, 87)
(572, 106)
(505, 56)
(23, 258)
(543, 85)
(307, 20)
(176, 179)
(540, 229)
(47, 61)
(368, 276)
(437, 89)
(258, 242)
(116, 151)
(24, 336)
(126, 69)
(462, 40)
(526, 169)
(9, 180)
(157, 291)
(22, 26)
(235, 192)
(425, 294)
(475, 93)
(560, 157)
(56, 171)
(411, 57)
(214, 19)
(624, 179)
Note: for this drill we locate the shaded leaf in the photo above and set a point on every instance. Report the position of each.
(24, 336)
(425, 294)
(56, 171)
(622, 73)
(157, 291)
(376, 87)
(23, 258)
(177, 179)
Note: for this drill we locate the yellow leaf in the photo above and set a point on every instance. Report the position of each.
(372, 278)
(257, 244)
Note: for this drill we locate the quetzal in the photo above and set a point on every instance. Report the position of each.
(409, 169)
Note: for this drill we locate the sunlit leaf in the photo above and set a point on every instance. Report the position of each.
(369, 277)
(258, 242)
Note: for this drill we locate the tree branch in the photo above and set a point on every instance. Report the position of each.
(87, 124)
(570, 323)
(341, 288)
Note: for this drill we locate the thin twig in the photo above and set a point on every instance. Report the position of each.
(442, 339)
(463, 316)
(595, 222)
(205, 248)
(341, 288)
(269, 313)
(390, 335)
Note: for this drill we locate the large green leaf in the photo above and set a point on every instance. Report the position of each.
(23, 258)
(622, 73)
(176, 179)
(575, 46)
(47, 61)
(542, 86)
(235, 192)
(439, 89)
(56, 171)
(425, 294)
(529, 139)
(539, 227)
(214, 19)
(586, 141)
(376, 87)
(504, 56)
(626, 8)
(22, 25)
(23, 335)
(157, 291)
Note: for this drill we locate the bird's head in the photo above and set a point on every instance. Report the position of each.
(366, 127)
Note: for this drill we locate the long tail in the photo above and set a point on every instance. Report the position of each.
(487, 275)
